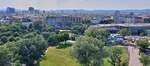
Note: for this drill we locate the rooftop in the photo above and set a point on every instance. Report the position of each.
(123, 25)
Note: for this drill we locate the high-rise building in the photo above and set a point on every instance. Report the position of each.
(117, 17)
(131, 18)
(31, 9)
(10, 10)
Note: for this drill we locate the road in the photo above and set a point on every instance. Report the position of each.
(134, 56)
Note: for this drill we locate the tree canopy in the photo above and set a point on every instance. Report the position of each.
(143, 44)
(89, 51)
(124, 32)
(100, 34)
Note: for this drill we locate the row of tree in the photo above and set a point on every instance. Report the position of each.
(27, 50)
(21, 44)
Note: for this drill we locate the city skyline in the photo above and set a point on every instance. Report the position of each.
(76, 4)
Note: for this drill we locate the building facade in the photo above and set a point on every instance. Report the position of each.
(63, 21)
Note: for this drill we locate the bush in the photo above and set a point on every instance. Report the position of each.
(64, 44)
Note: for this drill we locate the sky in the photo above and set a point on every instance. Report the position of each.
(76, 4)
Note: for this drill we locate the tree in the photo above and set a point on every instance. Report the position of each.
(14, 53)
(124, 32)
(28, 50)
(63, 36)
(145, 59)
(147, 20)
(54, 38)
(87, 22)
(38, 26)
(80, 28)
(89, 51)
(4, 56)
(115, 57)
(48, 28)
(3, 39)
(107, 21)
(45, 35)
(143, 44)
(100, 34)
(142, 34)
(32, 49)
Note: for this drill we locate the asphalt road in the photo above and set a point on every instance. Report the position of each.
(134, 56)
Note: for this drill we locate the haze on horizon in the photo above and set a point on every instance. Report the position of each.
(76, 4)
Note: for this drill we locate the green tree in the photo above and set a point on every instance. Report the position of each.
(143, 44)
(14, 53)
(54, 38)
(5, 58)
(45, 35)
(145, 59)
(63, 36)
(147, 20)
(4, 39)
(38, 26)
(107, 21)
(31, 49)
(28, 50)
(80, 28)
(124, 32)
(48, 28)
(115, 57)
(100, 34)
(142, 34)
(89, 51)
(87, 22)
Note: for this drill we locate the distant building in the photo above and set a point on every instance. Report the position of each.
(135, 28)
(26, 21)
(148, 33)
(96, 20)
(63, 21)
(38, 19)
(131, 17)
(31, 9)
(7, 19)
(139, 19)
(99, 18)
(117, 17)
(124, 18)
(10, 10)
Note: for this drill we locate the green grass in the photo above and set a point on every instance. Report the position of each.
(62, 57)
(58, 57)
(106, 63)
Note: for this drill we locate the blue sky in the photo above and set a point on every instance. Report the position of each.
(76, 4)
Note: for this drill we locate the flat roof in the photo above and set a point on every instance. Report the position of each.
(123, 25)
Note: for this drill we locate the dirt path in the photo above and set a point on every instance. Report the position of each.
(134, 56)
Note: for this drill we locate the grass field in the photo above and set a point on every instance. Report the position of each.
(61, 57)
(106, 63)
(58, 57)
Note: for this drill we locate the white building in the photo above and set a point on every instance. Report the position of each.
(124, 18)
